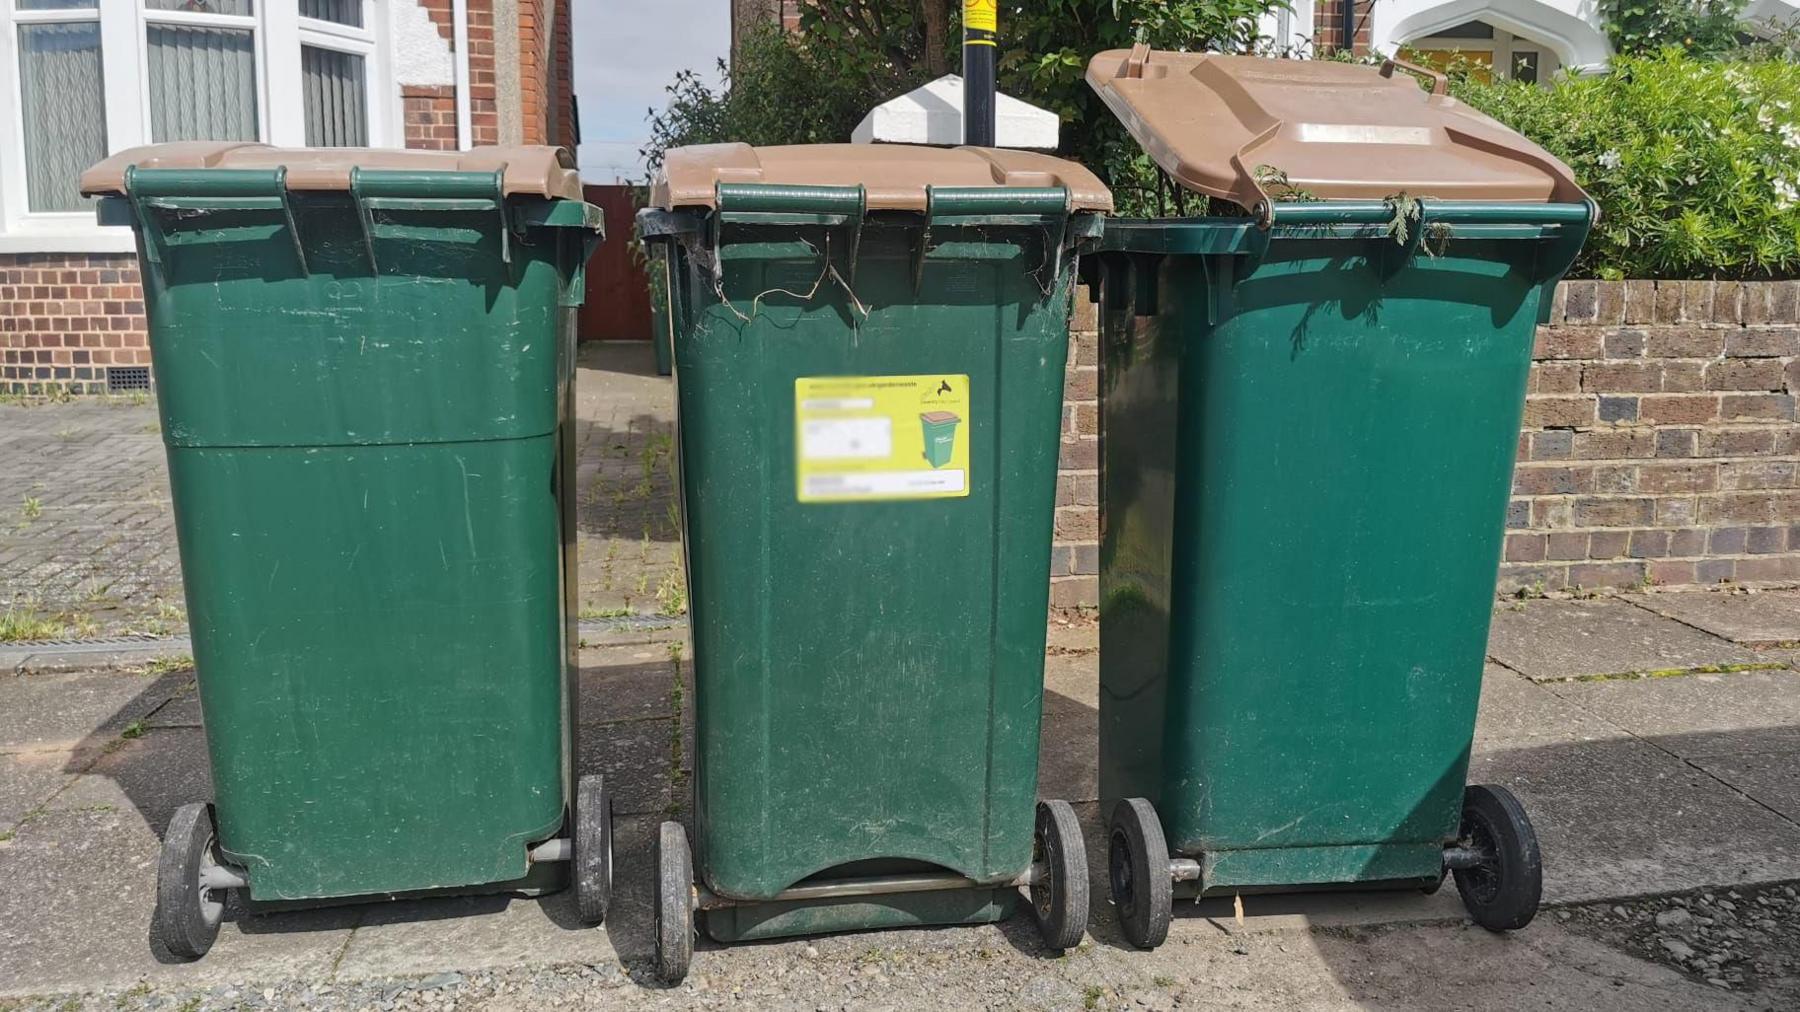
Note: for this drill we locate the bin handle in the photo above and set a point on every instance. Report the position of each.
(221, 189)
(1440, 82)
(372, 189)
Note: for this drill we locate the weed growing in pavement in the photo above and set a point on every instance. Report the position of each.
(169, 665)
(671, 594)
(677, 747)
(31, 508)
(66, 434)
(6, 836)
(23, 622)
(1163, 980)
(135, 729)
(1090, 996)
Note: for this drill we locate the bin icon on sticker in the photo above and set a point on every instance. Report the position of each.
(940, 436)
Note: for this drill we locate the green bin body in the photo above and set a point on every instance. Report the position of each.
(367, 404)
(1309, 434)
(868, 674)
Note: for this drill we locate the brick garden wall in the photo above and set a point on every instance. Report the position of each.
(1660, 443)
(67, 318)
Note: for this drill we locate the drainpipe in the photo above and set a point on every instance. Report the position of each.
(465, 130)
(1348, 24)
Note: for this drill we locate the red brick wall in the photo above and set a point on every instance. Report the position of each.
(534, 84)
(430, 113)
(484, 106)
(1328, 25)
(1075, 555)
(1660, 441)
(562, 109)
(443, 15)
(66, 317)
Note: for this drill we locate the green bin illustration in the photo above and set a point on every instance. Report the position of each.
(940, 436)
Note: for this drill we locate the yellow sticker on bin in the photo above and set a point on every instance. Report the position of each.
(871, 438)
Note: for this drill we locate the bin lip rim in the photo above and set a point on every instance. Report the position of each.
(895, 177)
(527, 170)
(1213, 120)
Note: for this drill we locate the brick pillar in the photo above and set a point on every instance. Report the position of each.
(1328, 25)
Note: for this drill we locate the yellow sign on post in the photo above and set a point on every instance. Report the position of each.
(982, 15)
(870, 438)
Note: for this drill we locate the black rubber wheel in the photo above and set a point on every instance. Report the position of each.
(188, 914)
(1059, 898)
(1502, 892)
(593, 865)
(674, 903)
(1138, 871)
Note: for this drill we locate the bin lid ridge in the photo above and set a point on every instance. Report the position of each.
(894, 177)
(530, 170)
(1340, 131)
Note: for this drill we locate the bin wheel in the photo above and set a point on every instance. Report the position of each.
(674, 903)
(593, 848)
(1502, 892)
(1138, 870)
(188, 913)
(1059, 897)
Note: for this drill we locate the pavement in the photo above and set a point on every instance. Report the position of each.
(1654, 738)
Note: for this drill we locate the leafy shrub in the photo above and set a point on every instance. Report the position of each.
(1695, 163)
(1645, 27)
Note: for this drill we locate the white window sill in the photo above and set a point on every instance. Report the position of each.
(68, 239)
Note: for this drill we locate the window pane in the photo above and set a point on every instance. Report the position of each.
(1525, 67)
(337, 109)
(56, 5)
(344, 12)
(65, 111)
(241, 7)
(202, 84)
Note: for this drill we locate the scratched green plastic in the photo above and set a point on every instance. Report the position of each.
(1307, 463)
(367, 471)
(868, 676)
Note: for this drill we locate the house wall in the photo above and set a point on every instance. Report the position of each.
(66, 319)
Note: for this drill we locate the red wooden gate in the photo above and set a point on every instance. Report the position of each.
(618, 291)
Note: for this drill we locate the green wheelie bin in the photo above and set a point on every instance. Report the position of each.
(365, 367)
(868, 621)
(1310, 406)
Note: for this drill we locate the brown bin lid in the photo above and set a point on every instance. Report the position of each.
(1340, 130)
(530, 171)
(894, 176)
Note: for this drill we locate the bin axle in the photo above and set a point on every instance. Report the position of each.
(875, 885)
(1456, 858)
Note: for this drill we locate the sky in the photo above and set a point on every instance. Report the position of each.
(626, 53)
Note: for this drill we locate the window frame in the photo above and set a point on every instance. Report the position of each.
(279, 32)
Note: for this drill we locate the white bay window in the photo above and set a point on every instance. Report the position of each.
(82, 78)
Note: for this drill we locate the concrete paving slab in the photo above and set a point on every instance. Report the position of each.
(1764, 618)
(151, 776)
(1769, 778)
(69, 712)
(1516, 711)
(182, 710)
(627, 683)
(1069, 749)
(635, 759)
(1700, 715)
(79, 888)
(1557, 640)
(1624, 818)
(466, 933)
(463, 934)
(28, 779)
(1075, 676)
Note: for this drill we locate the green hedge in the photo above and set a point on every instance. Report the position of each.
(1695, 163)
